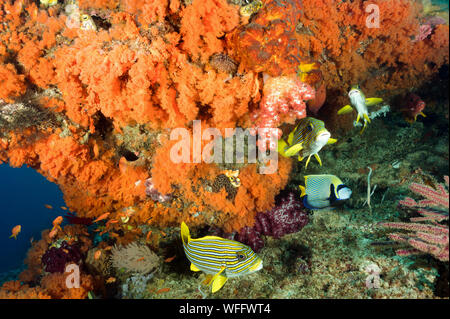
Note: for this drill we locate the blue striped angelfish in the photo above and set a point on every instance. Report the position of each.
(307, 139)
(219, 258)
(323, 191)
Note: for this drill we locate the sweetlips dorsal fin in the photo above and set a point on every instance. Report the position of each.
(185, 236)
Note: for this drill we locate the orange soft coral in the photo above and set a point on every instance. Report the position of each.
(55, 286)
(269, 43)
(11, 84)
(203, 23)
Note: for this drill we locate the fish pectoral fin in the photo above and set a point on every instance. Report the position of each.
(415, 117)
(366, 117)
(358, 117)
(371, 101)
(331, 140)
(294, 149)
(217, 280)
(194, 267)
(281, 146)
(364, 127)
(318, 159)
(218, 283)
(344, 110)
(307, 161)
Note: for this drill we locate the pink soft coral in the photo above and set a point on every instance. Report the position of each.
(283, 100)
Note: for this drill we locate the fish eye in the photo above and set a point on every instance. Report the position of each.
(240, 256)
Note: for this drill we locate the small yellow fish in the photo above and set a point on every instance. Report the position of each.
(87, 23)
(15, 231)
(233, 177)
(360, 103)
(110, 280)
(307, 139)
(251, 8)
(48, 3)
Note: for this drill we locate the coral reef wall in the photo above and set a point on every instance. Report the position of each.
(115, 89)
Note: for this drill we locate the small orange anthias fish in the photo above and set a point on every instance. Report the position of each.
(57, 221)
(110, 280)
(163, 290)
(97, 254)
(168, 260)
(53, 232)
(101, 217)
(48, 206)
(15, 231)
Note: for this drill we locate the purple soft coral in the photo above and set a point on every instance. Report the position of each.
(288, 217)
(55, 259)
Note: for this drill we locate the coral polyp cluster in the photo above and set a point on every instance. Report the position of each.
(283, 101)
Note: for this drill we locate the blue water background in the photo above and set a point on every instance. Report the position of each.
(23, 194)
(442, 3)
